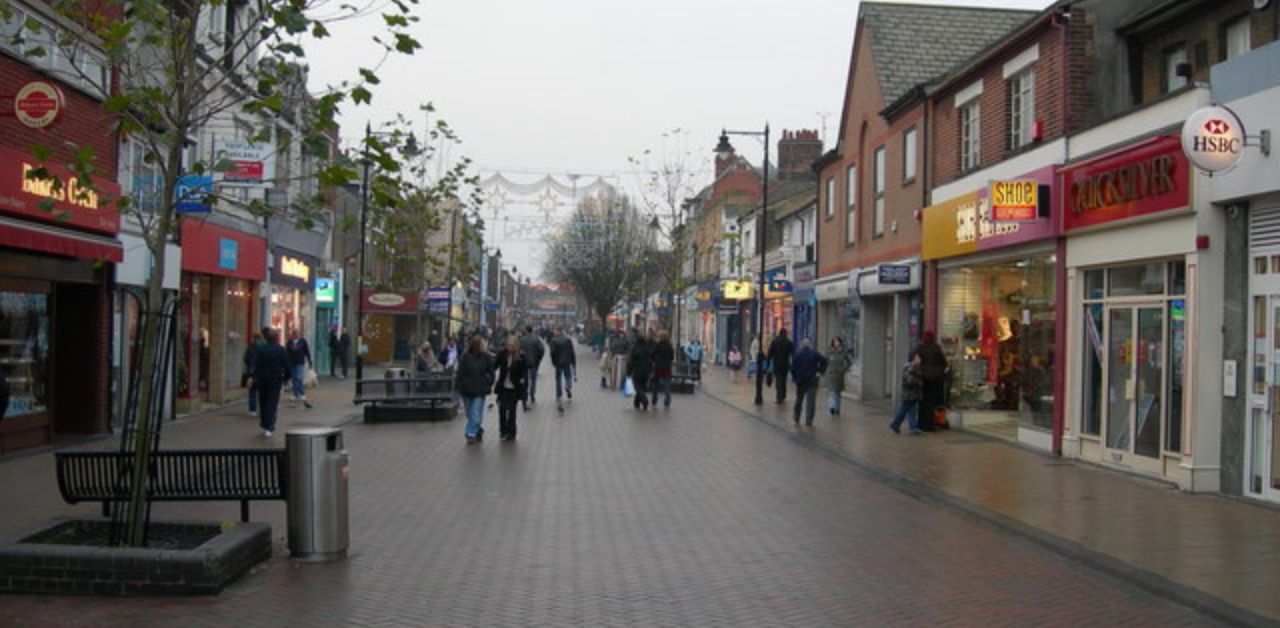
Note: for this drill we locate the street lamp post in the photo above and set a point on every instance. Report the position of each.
(364, 219)
(764, 218)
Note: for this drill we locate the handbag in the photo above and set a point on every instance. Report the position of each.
(310, 379)
(628, 388)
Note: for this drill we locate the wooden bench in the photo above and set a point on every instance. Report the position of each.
(407, 398)
(241, 475)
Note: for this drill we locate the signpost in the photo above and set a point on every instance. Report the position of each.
(192, 194)
(1213, 139)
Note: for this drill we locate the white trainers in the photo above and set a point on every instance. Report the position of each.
(266, 433)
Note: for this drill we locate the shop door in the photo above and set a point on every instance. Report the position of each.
(1135, 384)
(1264, 399)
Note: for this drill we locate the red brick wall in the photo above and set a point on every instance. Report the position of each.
(862, 108)
(84, 122)
(1051, 109)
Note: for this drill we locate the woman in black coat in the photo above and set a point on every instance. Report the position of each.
(510, 386)
(639, 367)
(933, 370)
(474, 381)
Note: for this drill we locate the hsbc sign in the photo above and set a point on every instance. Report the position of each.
(1213, 139)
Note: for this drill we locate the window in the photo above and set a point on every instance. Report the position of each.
(831, 197)
(1022, 108)
(878, 227)
(970, 153)
(909, 155)
(1236, 39)
(851, 208)
(10, 28)
(45, 47)
(143, 178)
(1172, 59)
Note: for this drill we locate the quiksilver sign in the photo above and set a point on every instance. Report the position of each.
(1213, 139)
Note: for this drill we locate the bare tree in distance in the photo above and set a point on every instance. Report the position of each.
(601, 251)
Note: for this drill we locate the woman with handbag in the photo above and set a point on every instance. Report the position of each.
(510, 386)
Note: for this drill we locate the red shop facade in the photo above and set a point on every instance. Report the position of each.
(222, 269)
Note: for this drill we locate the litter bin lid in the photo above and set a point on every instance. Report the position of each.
(312, 431)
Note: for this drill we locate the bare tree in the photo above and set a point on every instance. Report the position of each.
(601, 251)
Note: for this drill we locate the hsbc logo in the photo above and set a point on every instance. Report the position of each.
(1213, 139)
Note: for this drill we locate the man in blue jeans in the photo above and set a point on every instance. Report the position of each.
(531, 347)
(565, 362)
(299, 359)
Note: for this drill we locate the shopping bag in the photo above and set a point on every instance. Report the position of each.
(940, 419)
(310, 380)
(628, 388)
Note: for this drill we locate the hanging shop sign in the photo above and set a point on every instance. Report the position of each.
(192, 194)
(1018, 201)
(735, 290)
(1147, 178)
(326, 290)
(1213, 139)
(437, 301)
(776, 283)
(66, 203)
(38, 104)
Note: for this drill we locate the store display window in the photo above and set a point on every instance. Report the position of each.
(996, 324)
(24, 350)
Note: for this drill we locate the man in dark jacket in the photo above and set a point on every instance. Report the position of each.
(532, 348)
(565, 363)
(664, 354)
(639, 368)
(806, 369)
(270, 371)
(780, 357)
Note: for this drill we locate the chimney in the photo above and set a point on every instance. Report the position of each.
(797, 150)
(725, 155)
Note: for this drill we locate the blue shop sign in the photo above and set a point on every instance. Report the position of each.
(192, 194)
(228, 254)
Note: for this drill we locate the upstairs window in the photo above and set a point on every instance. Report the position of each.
(970, 137)
(1173, 58)
(877, 227)
(831, 197)
(909, 155)
(1022, 108)
(851, 208)
(1236, 39)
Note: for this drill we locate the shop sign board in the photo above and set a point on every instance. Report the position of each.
(73, 205)
(293, 269)
(228, 254)
(776, 283)
(706, 295)
(437, 301)
(326, 290)
(38, 104)
(386, 302)
(1150, 177)
(192, 194)
(250, 164)
(1017, 201)
(894, 274)
(736, 290)
(1213, 139)
(963, 224)
(212, 249)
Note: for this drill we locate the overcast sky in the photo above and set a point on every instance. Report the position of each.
(577, 86)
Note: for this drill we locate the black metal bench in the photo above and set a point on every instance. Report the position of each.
(242, 475)
(684, 376)
(406, 398)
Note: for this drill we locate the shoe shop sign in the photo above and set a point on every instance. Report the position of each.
(1213, 139)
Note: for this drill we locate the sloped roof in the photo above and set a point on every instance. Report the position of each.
(914, 43)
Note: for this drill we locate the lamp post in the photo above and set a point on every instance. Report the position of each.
(764, 216)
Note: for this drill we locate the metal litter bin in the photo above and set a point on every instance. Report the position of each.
(317, 494)
(398, 383)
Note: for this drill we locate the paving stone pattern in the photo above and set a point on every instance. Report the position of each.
(607, 516)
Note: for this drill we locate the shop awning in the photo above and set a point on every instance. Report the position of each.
(58, 241)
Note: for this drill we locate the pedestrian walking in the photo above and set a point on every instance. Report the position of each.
(912, 392)
(333, 351)
(639, 369)
(450, 353)
(565, 362)
(474, 381)
(753, 356)
(342, 353)
(735, 362)
(269, 373)
(694, 352)
(780, 351)
(838, 364)
(246, 375)
(664, 354)
(510, 386)
(807, 367)
(299, 361)
(533, 349)
(933, 369)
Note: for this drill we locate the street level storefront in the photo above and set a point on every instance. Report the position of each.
(129, 297)
(891, 309)
(779, 302)
(222, 269)
(292, 296)
(55, 323)
(1145, 329)
(995, 311)
(839, 314)
(328, 315)
(708, 300)
(389, 322)
(736, 303)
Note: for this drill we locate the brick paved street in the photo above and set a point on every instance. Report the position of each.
(696, 516)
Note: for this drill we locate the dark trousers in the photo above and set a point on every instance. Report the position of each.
(930, 400)
(660, 385)
(507, 402)
(806, 393)
(780, 383)
(641, 382)
(268, 403)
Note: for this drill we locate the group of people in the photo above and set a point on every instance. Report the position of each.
(923, 387)
(649, 363)
(511, 374)
(268, 366)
